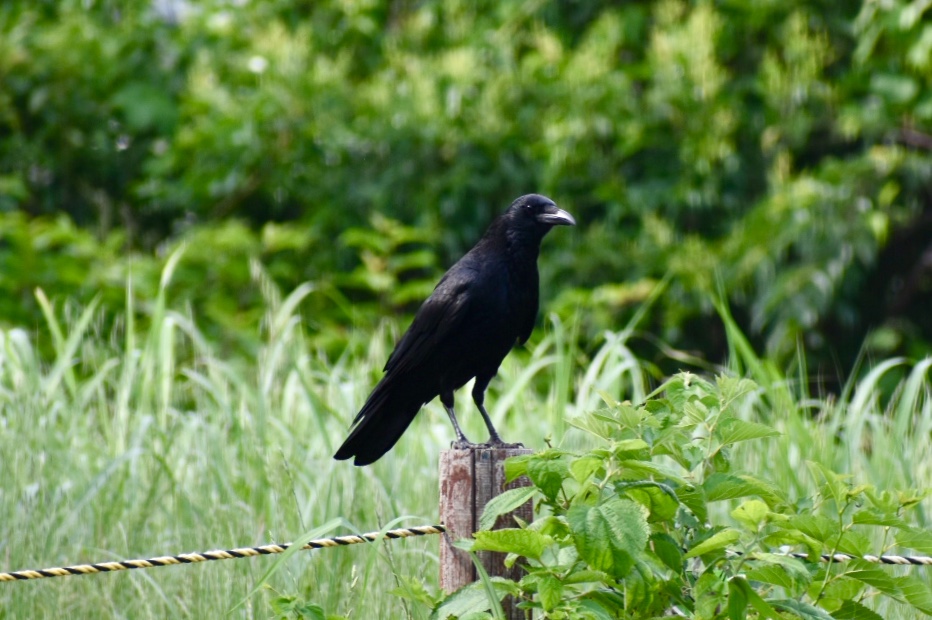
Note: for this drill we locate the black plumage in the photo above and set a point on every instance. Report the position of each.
(485, 304)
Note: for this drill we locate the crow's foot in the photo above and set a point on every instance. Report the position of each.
(498, 444)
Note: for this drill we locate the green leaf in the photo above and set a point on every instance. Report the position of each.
(831, 483)
(752, 597)
(737, 601)
(752, 514)
(836, 590)
(772, 574)
(696, 412)
(717, 541)
(524, 542)
(733, 430)
(631, 448)
(552, 526)
(631, 417)
(584, 467)
(916, 592)
(879, 579)
(780, 570)
(721, 486)
(550, 590)
(601, 606)
(852, 610)
(876, 517)
(794, 538)
(694, 499)
(609, 536)
(602, 426)
(855, 542)
(466, 544)
(290, 606)
(503, 504)
(469, 599)
(919, 540)
(587, 576)
(668, 550)
(313, 612)
(708, 592)
(413, 589)
(516, 466)
(732, 388)
(803, 610)
(661, 504)
(647, 469)
(817, 527)
(639, 586)
(548, 475)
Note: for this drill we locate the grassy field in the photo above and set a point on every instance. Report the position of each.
(151, 442)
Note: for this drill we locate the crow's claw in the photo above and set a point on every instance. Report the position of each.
(501, 445)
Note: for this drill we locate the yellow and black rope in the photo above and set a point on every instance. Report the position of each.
(339, 541)
(911, 560)
(899, 560)
(207, 556)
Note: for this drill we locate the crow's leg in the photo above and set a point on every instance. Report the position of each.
(478, 396)
(461, 442)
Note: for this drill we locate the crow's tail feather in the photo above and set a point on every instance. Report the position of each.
(380, 423)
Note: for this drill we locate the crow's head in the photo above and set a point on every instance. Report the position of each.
(538, 213)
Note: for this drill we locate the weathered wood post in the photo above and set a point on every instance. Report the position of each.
(468, 480)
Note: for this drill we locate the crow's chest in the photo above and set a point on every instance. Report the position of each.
(512, 301)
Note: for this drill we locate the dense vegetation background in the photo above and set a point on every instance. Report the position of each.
(216, 216)
(776, 153)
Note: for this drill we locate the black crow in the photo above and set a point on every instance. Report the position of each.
(484, 305)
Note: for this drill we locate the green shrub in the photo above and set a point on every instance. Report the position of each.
(777, 151)
(655, 520)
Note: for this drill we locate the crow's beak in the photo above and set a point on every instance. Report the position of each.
(556, 216)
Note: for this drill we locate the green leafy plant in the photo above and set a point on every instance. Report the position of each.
(782, 147)
(397, 264)
(655, 520)
(295, 608)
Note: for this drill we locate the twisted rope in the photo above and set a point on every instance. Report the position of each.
(341, 541)
(207, 556)
(912, 560)
(901, 560)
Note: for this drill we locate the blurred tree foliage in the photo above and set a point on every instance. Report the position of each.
(776, 152)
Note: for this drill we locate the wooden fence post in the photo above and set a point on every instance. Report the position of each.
(468, 480)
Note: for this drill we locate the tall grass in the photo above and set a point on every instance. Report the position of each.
(877, 435)
(132, 444)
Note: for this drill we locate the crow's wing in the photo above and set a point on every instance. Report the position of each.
(528, 316)
(443, 313)
(526, 295)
